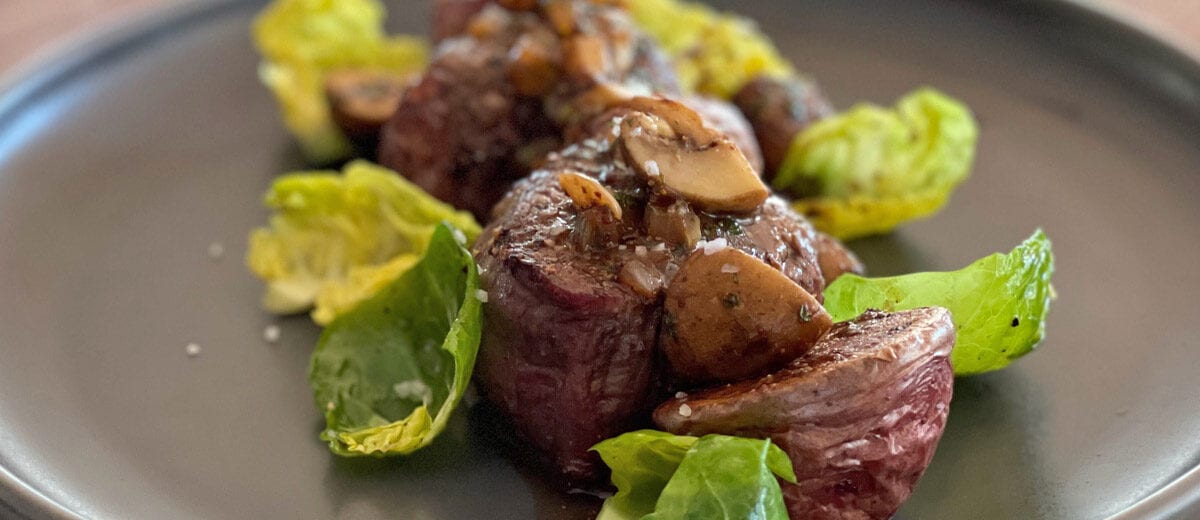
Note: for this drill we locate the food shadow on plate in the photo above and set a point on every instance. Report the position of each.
(289, 158)
(555, 498)
(889, 255)
(996, 420)
(475, 460)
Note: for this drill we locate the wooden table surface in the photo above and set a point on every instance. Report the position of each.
(29, 27)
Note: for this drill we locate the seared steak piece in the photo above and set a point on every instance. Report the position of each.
(836, 259)
(575, 264)
(860, 414)
(778, 109)
(456, 132)
(567, 351)
(494, 99)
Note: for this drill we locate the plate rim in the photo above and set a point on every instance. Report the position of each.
(23, 85)
(41, 73)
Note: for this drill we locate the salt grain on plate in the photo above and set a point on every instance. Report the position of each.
(685, 410)
(216, 250)
(482, 295)
(192, 350)
(271, 333)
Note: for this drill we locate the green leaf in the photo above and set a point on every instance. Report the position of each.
(661, 476)
(303, 40)
(999, 303)
(389, 373)
(714, 53)
(335, 239)
(642, 462)
(870, 169)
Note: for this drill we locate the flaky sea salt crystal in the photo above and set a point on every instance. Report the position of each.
(415, 390)
(651, 168)
(216, 250)
(714, 245)
(271, 333)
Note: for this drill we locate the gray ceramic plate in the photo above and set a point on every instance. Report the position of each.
(121, 162)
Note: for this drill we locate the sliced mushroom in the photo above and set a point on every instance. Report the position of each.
(574, 112)
(644, 279)
(561, 15)
(681, 118)
(585, 56)
(673, 148)
(676, 223)
(361, 101)
(606, 95)
(587, 192)
(596, 228)
(533, 66)
(732, 316)
(487, 24)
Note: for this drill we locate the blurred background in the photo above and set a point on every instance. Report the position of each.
(30, 27)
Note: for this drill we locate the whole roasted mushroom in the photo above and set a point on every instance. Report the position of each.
(730, 317)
